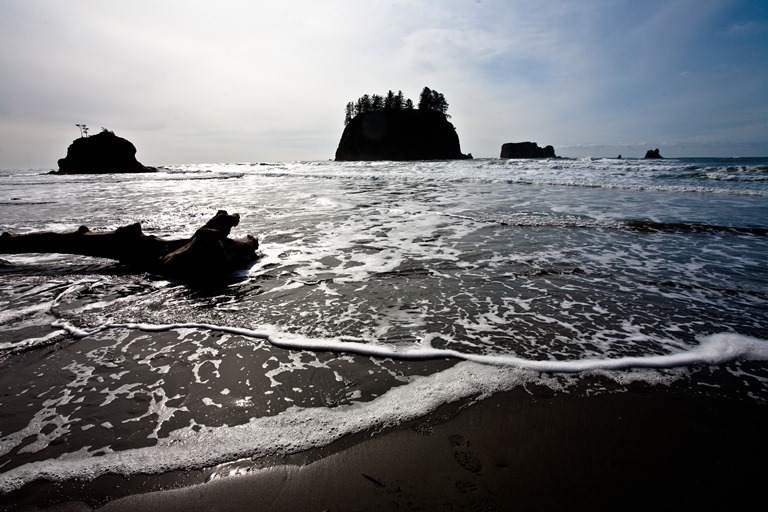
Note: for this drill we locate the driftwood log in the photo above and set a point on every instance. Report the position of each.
(208, 254)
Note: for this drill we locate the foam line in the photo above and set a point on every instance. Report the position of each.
(290, 431)
(32, 342)
(297, 429)
(713, 349)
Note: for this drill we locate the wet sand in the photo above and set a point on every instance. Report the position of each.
(514, 451)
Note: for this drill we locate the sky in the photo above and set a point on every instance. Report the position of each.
(254, 81)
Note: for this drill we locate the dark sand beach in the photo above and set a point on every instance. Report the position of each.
(514, 451)
(612, 321)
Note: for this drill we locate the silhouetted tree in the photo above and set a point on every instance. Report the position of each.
(363, 104)
(377, 102)
(429, 100)
(438, 102)
(432, 100)
(425, 99)
(389, 100)
(349, 113)
(399, 101)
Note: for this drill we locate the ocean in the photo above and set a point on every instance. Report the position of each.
(384, 291)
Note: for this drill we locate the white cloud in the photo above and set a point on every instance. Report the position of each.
(236, 80)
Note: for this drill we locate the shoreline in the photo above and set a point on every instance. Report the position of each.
(511, 451)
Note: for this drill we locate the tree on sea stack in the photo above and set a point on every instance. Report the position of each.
(349, 113)
(387, 127)
(429, 100)
(102, 153)
(433, 100)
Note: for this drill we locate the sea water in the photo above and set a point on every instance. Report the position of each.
(384, 290)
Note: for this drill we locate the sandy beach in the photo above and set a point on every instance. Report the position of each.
(612, 321)
(513, 451)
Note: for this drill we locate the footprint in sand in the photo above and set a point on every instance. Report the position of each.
(423, 429)
(458, 441)
(465, 487)
(463, 455)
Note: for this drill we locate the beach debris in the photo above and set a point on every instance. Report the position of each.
(209, 253)
(374, 481)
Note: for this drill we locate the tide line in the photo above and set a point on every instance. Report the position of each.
(716, 348)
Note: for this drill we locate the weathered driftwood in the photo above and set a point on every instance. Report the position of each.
(207, 254)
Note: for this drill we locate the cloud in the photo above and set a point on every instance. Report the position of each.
(236, 80)
(744, 28)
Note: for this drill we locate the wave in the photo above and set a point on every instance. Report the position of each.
(705, 176)
(683, 227)
(642, 225)
(296, 429)
(699, 183)
(476, 378)
(699, 189)
(714, 349)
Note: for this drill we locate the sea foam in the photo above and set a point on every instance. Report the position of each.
(298, 429)
(716, 348)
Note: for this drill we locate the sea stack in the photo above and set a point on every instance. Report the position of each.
(653, 153)
(526, 150)
(400, 135)
(102, 153)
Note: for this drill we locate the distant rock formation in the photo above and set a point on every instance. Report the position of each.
(102, 153)
(399, 135)
(526, 150)
(653, 153)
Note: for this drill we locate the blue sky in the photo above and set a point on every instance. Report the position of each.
(238, 81)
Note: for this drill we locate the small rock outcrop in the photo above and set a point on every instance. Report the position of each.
(102, 153)
(526, 150)
(399, 135)
(653, 153)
